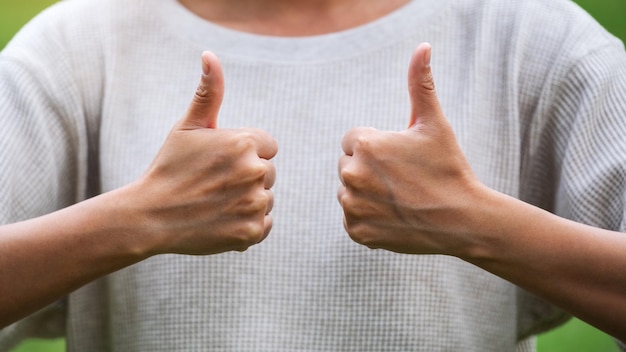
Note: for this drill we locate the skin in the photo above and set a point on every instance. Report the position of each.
(189, 201)
(169, 210)
(289, 18)
(396, 196)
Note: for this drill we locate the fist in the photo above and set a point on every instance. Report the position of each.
(408, 191)
(208, 189)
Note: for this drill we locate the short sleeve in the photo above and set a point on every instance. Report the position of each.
(593, 177)
(44, 143)
(39, 147)
(575, 160)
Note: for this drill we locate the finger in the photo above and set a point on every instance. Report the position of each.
(340, 193)
(343, 162)
(270, 202)
(266, 147)
(355, 138)
(207, 100)
(268, 223)
(270, 175)
(424, 101)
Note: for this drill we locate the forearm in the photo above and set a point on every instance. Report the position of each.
(413, 191)
(577, 267)
(207, 191)
(45, 258)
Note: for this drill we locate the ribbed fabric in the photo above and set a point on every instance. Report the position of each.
(535, 91)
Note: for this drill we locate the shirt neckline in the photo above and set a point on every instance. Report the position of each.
(381, 32)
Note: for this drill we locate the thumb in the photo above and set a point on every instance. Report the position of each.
(207, 100)
(424, 101)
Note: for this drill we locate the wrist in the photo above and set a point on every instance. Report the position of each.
(120, 214)
(485, 224)
(499, 227)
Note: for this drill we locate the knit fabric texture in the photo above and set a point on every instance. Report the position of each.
(535, 91)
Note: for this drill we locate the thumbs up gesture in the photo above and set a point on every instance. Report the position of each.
(408, 191)
(208, 189)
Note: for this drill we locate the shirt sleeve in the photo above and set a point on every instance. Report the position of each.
(574, 164)
(40, 148)
(593, 177)
(592, 103)
(573, 146)
(44, 143)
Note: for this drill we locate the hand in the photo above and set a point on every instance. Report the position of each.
(208, 189)
(408, 191)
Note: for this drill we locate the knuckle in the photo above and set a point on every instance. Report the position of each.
(360, 236)
(247, 207)
(250, 171)
(367, 141)
(250, 234)
(352, 210)
(353, 178)
(254, 231)
(362, 143)
(263, 200)
(349, 176)
(428, 83)
(270, 176)
(259, 139)
(255, 203)
(258, 169)
(245, 141)
(205, 94)
(269, 202)
(269, 223)
(258, 133)
(346, 202)
(340, 194)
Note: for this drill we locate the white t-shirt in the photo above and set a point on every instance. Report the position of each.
(535, 91)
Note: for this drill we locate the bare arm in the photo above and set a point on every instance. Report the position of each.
(398, 196)
(45, 258)
(207, 191)
(577, 267)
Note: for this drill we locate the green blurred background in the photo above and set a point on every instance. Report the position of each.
(573, 336)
